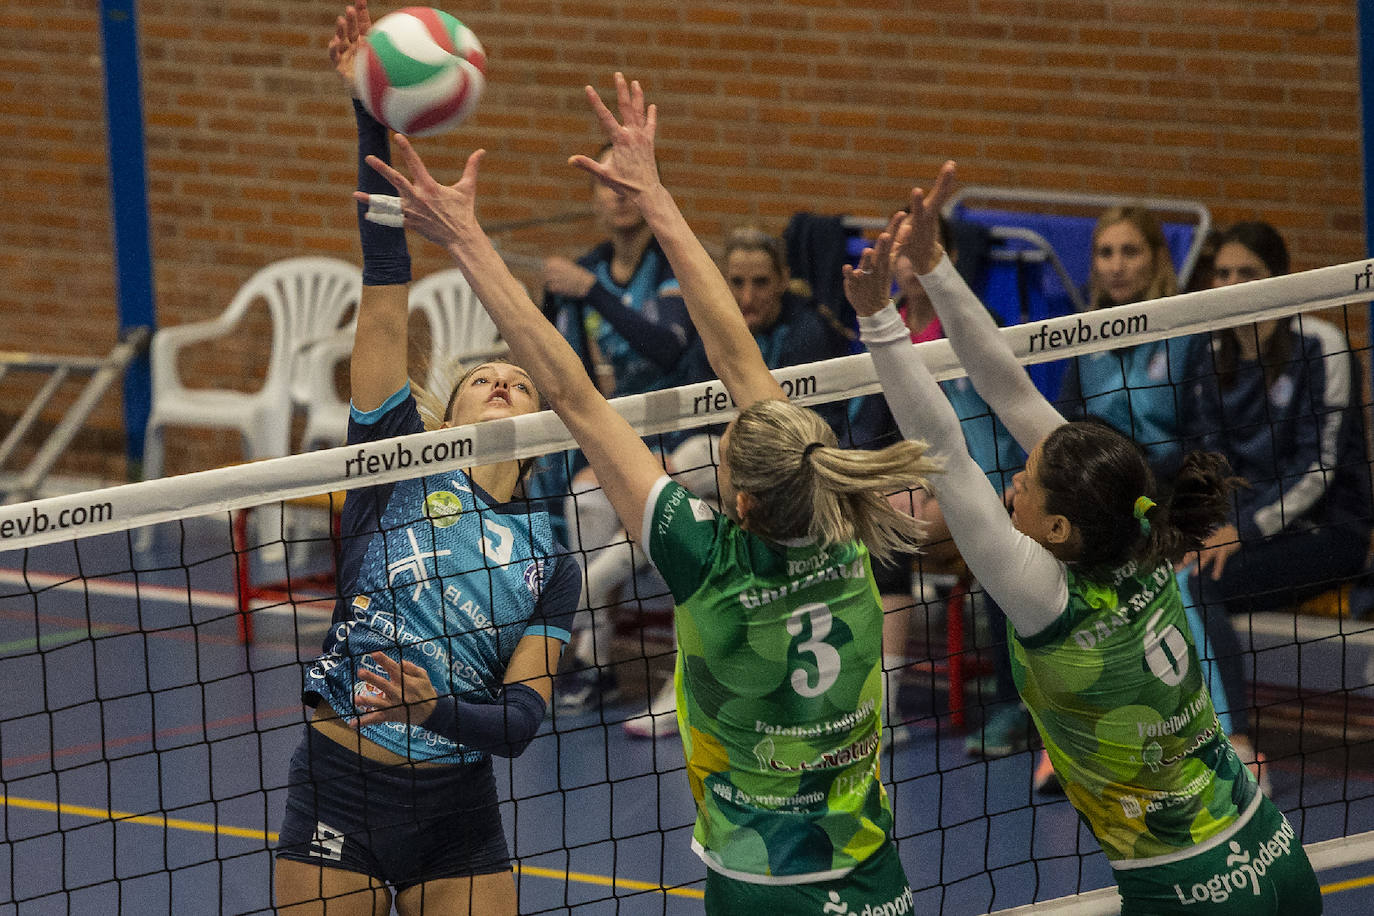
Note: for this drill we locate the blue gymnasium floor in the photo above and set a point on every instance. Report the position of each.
(143, 752)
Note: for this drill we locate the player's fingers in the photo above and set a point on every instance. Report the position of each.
(623, 100)
(373, 679)
(603, 114)
(895, 223)
(594, 168)
(410, 669)
(470, 167)
(882, 253)
(944, 185)
(419, 173)
(637, 102)
(386, 663)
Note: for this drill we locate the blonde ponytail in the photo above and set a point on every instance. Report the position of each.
(804, 485)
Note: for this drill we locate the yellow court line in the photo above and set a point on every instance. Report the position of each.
(155, 820)
(535, 871)
(1350, 885)
(173, 823)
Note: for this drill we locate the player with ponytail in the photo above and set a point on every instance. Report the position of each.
(1101, 650)
(779, 624)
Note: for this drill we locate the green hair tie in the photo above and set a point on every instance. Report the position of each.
(1143, 504)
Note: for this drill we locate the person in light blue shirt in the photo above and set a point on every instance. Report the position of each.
(1136, 390)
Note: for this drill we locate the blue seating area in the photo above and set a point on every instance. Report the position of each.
(1038, 255)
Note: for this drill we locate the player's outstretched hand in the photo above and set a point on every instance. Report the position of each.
(920, 244)
(869, 286)
(403, 694)
(349, 29)
(441, 213)
(630, 168)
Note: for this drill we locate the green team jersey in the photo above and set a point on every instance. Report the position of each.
(779, 687)
(1116, 690)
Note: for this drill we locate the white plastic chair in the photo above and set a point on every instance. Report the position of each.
(308, 299)
(460, 330)
(460, 333)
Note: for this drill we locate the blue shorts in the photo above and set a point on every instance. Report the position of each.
(403, 825)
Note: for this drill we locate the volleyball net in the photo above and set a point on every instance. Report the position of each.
(152, 635)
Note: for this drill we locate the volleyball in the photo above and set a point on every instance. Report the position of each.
(420, 71)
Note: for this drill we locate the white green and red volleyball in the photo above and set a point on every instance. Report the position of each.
(420, 71)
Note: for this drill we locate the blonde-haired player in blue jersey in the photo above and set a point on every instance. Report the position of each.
(778, 619)
(455, 603)
(1101, 651)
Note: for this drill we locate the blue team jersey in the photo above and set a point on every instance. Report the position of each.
(1138, 392)
(434, 571)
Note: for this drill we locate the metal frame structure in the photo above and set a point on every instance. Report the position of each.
(22, 486)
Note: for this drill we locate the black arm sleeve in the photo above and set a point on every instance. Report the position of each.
(504, 728)
(662, 342)
(386, 260)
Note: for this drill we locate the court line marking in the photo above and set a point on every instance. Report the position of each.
(271, 836)
(120, 589)
(1352, 884)
(46, 642)
(534, 871)
(223, 600)
(154, 820)
(203, 728)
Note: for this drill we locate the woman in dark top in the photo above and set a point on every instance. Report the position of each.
(1280, 399)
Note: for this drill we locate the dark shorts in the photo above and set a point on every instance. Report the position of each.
(402, 825)
(876, 885)
(1261, 871)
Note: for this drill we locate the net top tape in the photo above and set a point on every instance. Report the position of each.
(134, 505)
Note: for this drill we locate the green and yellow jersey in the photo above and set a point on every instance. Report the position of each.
(779, 683)
(1117, 693)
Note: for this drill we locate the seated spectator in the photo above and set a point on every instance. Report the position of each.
(1280, 399)
(619, 305)
(621, 309)
(1134, 389)
(788, 327)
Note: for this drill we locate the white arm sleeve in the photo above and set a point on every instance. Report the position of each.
(1023, 577)
(992, 368)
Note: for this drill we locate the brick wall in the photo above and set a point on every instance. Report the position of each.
(766, 108)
